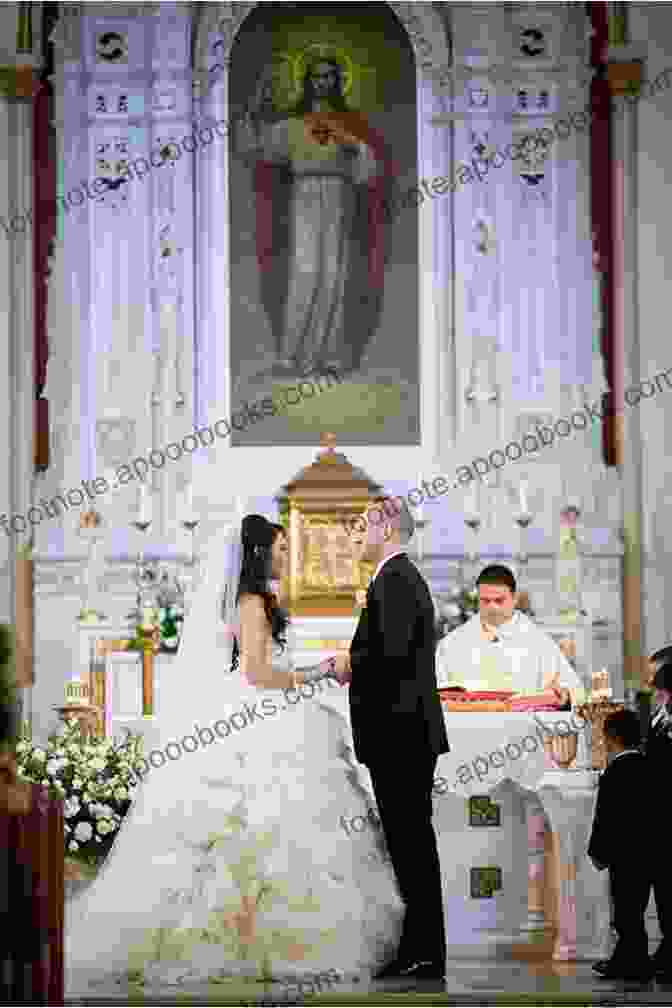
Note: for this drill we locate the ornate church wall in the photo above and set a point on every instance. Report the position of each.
(140, 317)
(651, 25)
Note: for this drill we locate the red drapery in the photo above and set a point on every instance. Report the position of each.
(601, 210)
(44, 230)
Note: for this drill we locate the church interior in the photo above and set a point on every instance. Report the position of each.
(441, 227)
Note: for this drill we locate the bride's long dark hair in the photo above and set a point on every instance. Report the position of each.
(258, 537)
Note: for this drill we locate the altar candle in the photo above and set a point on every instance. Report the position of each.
(145, 507)
(523, 497)
(188, 502)
(473, 502)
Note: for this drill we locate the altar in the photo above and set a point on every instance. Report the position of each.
(512, 828)
(512, 824)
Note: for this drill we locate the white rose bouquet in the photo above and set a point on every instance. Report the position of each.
(96, 781)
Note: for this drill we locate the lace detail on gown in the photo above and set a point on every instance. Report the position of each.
(235, 861)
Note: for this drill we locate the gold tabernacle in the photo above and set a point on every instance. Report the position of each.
(315, 508)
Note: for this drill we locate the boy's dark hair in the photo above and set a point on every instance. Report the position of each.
(623, 726)
(664, 655)
(496, 574)
(663, 677)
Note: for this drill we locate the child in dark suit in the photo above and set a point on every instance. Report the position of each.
(621, 842)
(659, 760)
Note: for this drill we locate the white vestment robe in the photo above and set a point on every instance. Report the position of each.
(525, 659)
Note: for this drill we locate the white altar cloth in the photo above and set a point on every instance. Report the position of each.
(489, 749)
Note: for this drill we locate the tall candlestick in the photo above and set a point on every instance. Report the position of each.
(188, 503)
(523, 497)
(473, 503)
(145, 506)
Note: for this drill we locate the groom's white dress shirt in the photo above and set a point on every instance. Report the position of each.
(524, 658)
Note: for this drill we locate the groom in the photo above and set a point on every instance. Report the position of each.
(398, 728)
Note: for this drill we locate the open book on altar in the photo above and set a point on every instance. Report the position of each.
(455, 699)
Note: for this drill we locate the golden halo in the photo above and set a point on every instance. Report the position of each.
(313, 54)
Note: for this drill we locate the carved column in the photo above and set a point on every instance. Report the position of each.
(213, 111)
(536, 842)
(625, 71)
(568, 799)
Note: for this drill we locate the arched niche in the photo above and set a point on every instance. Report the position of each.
(218, 28)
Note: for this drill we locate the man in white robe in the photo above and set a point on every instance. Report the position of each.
(501, 649)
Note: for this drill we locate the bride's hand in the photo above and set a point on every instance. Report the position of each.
(338, 667)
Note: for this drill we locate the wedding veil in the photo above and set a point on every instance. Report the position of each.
(198, 683)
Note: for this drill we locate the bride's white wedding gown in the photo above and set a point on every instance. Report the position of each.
(234, 861)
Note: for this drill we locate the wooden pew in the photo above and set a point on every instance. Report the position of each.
(32, 900)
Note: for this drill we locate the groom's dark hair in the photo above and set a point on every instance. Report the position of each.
(258, 535)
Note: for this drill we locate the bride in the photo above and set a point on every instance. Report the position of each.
(233, 861)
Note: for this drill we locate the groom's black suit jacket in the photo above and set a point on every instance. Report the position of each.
(393, 688)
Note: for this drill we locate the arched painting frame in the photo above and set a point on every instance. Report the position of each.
(214, 39)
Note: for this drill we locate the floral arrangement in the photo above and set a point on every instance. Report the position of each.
(462, 604)
(160, 611)
(95, 780)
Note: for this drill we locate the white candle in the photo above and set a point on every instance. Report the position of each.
(145, 507)
(523, 497)
(472, 502)
(188, 503)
